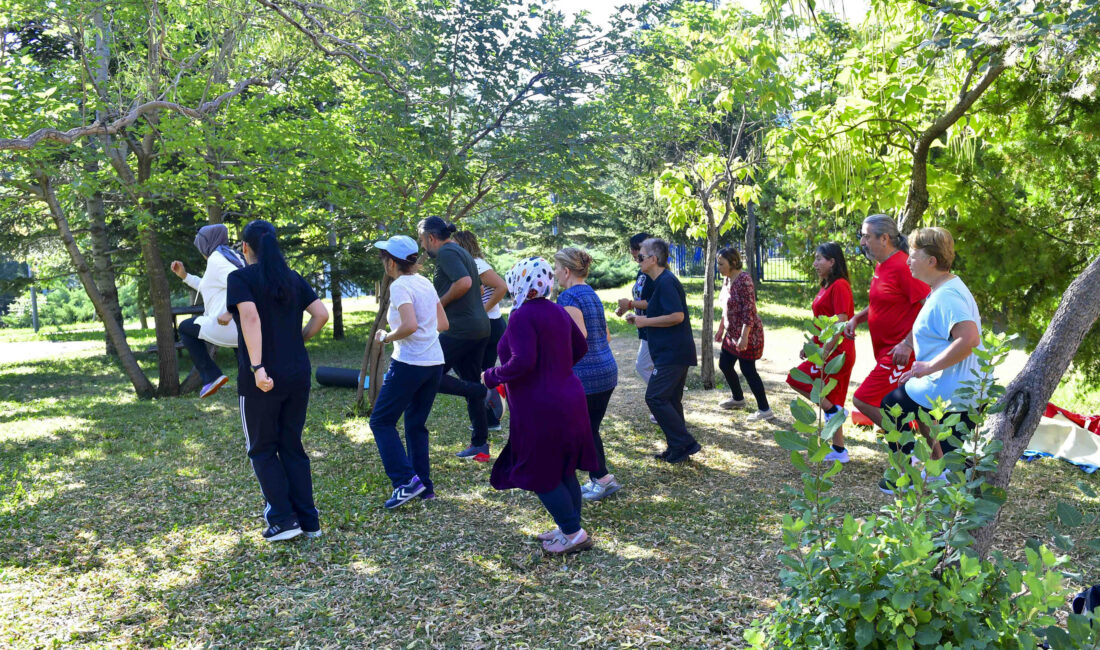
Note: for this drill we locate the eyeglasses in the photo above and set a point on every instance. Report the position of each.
(641, 258)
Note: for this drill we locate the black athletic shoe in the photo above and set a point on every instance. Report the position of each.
(662, 456)
(683, 454)
(276, 533)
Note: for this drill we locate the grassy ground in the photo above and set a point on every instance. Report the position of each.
(137, 523)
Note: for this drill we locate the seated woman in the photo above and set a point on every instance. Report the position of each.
(213, 242)
(834, 299)
(549, 436)
(945, 334)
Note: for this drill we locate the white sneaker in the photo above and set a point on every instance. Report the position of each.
(834, 455)
(732, 403)
(601, 490)
(653, 418)
(761, 415)
(842, 412)
(587, 487)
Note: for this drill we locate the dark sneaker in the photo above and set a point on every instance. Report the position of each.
(213, 387)
(405, 492)
(493, 403)
(276, 533)
(683, 454)
(479, 453)
(662, 456)
(427, 496)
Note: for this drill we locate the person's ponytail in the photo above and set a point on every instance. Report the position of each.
(260, 236)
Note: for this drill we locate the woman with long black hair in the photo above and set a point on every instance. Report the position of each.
(266, 299)
(834, 299)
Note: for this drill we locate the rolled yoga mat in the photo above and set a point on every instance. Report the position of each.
(340, 377)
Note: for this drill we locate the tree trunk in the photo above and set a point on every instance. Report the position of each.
(103, 270)
(1026, 398)
(334, 277)
(337, 305)
(142, 386)
(373, 354)
(706, 366)
(161, 296)
(142, 308)
(749, 261)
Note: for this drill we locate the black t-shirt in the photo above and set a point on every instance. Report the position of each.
(467, 314)
(284, 352)
(642, 290)
(670, 346)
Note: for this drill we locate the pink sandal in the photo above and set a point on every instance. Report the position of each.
(548, 535)
(562, 544)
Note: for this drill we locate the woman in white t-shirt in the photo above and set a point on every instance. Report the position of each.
(416, 366)
(493, 290)
(945, 334)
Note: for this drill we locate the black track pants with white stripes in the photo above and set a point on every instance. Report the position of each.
(273, 432)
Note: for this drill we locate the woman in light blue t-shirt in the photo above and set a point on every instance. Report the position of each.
(945, 334)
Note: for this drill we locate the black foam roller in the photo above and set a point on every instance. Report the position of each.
(339, 377)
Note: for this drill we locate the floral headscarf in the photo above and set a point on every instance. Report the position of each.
(531, 273)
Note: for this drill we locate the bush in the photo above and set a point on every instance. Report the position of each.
(59, 306)
(607, 271)
(906, 576)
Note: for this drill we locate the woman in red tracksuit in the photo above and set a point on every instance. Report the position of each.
(834, 299)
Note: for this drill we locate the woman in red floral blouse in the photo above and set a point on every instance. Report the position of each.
(741, 334)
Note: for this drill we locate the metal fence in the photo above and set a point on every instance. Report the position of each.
(774, 262)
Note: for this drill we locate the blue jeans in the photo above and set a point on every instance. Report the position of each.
(410, 390)
(564, 503)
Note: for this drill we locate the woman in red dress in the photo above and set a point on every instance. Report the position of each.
(741, 333)
(834, 299)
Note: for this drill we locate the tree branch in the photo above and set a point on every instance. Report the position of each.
(112, 128)
(315, 38)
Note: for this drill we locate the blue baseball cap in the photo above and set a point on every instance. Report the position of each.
(400, 246)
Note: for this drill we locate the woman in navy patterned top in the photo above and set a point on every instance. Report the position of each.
(597, 369)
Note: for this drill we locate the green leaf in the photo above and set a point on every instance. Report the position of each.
(927, 635)
(802, 412)
(868, 607)
(901, 600)
(865, 633)
(1068, 515)
(835, 364)
(790, 441)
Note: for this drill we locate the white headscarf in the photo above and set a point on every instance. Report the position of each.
(531, 273)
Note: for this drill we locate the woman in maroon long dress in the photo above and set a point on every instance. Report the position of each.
(549, 436)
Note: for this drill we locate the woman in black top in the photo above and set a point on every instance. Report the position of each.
(267, 299)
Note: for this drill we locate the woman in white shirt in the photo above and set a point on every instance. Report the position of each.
(945, 334)
(221, 260)
(416, 366)
(493, 290)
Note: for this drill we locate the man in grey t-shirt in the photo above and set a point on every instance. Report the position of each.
(459, 287)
